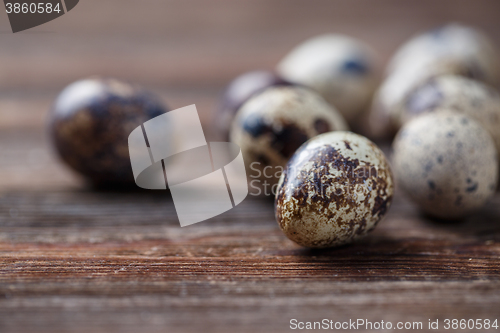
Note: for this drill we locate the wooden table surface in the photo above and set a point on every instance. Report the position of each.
(73, 259)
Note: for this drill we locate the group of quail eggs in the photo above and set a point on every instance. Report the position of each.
(437, 101)
(331, 186)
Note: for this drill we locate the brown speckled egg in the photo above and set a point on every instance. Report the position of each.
(90, 122)
(335, 189)
(238, 92)
(458, 94)
(446, 163)
(270, 126)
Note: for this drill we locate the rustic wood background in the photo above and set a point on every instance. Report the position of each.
(76, 260)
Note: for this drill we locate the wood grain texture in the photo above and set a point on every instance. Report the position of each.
(74, 259)
(118, 262)
(80, 260)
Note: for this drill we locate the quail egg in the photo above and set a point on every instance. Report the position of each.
(393, 90)
(238, 92)
(271, 125)
(90, 122)
(451, 43)
(446, 163)
(335, 189)
(451, 49)
(339, 68)
(457, 94)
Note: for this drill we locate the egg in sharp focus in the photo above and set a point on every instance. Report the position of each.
(334, 190)
(270, 126)
(90, 122)
(340, 68)
(446, 163)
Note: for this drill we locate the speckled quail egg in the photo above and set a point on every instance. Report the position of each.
(393, 90)
(458, 94)
(447, 164)
(451, 43)
(271, 125)
(335, 189)
(340, 68)
(451, 49)
(238, 92)
(90, 122)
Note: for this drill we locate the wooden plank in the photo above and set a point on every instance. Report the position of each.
(65, 254)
